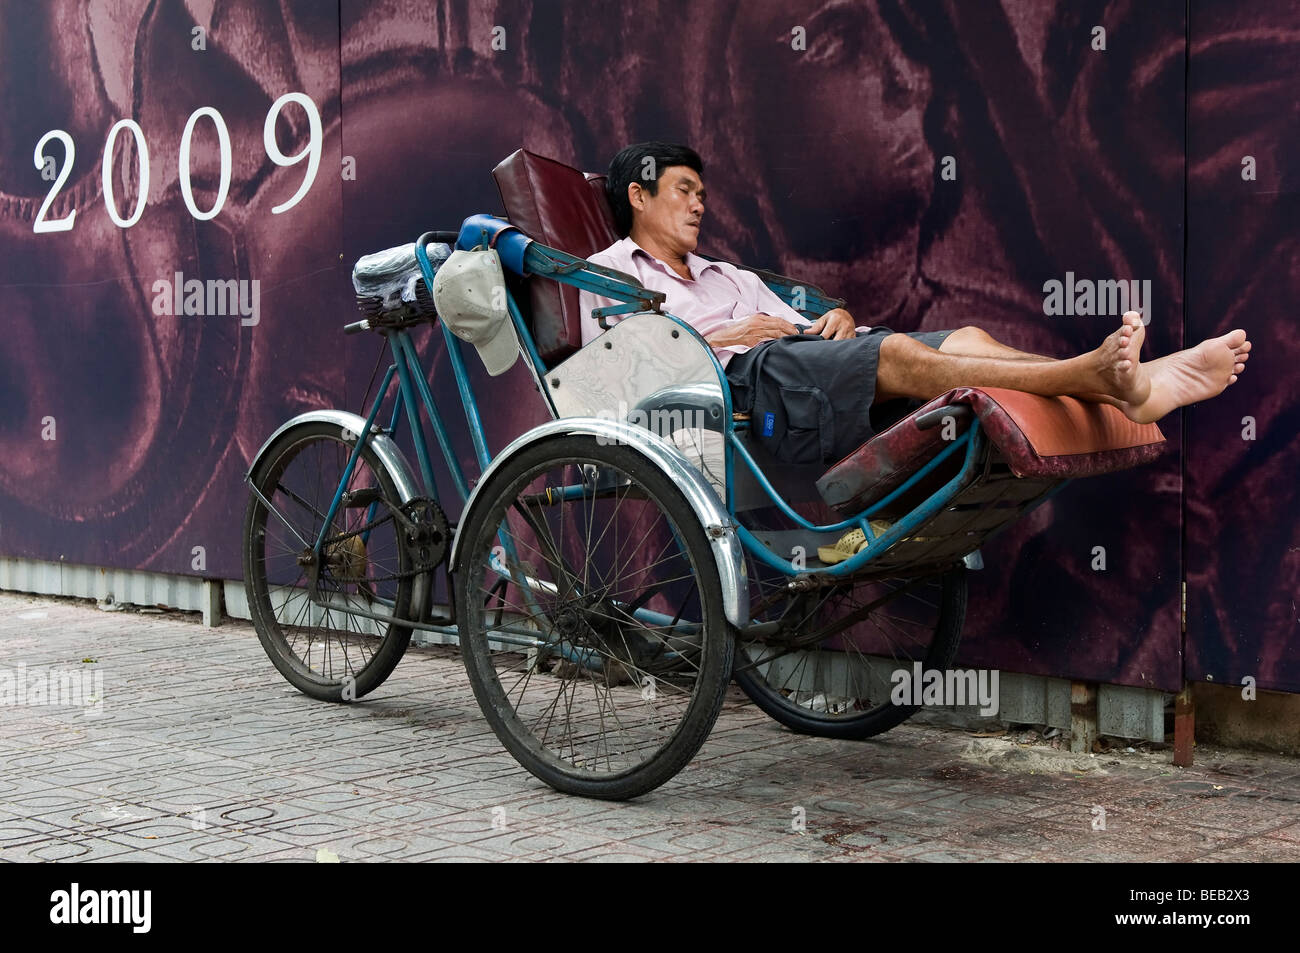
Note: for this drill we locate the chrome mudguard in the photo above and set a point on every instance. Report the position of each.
(389, 456)
(728, 553)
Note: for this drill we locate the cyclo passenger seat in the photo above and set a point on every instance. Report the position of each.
(1034, 443)
(560, 206)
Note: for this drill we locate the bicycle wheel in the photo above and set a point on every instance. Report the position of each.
(590, 616)
(829, 671)
(322, 650)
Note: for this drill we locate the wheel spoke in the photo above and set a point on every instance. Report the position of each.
(312, 633)
(828, 671)
(612, 701)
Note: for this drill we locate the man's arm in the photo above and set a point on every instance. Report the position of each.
(761, 314)
(755, 329)
(711, 320)
(757, 315)
(836, 324)
(717, 325)
(587, 300)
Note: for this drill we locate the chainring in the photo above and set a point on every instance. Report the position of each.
(426, 534)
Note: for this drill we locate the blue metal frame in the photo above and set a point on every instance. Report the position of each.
(531, 258)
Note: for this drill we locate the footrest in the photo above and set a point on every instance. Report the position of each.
(1055, 438)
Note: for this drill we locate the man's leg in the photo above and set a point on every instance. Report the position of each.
(1145, 393)
(975, 342)
(971, 341)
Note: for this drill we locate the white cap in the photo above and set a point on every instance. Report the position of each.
(469, 292)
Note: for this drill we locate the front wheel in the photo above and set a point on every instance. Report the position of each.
(300, 600)
(590, 616)
(832, 669)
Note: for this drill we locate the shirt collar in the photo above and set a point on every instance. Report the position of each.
(694, 263)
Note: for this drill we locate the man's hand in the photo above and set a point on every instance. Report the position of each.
(752, 330)
(835, 325)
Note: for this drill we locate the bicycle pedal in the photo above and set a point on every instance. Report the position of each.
(363, 497)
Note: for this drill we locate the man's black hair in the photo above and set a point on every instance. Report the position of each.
(637, 163)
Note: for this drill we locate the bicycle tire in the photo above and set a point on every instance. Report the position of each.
(281, 609)
(581, 624)
(810, 702)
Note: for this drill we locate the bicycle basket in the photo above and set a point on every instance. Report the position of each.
(390, 285)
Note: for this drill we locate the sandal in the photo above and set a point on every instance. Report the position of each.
(850, 544)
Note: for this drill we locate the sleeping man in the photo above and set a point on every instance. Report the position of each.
(832, 383)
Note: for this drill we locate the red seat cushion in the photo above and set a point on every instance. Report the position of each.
(1038, 437)
(567, 209)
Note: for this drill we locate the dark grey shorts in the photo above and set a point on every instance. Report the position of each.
(811, 399)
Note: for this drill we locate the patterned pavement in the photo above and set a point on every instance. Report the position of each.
(193, 748)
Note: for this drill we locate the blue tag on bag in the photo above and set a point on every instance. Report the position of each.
(769, 423)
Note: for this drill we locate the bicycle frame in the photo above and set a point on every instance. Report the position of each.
(552, 264)
(630, 561)
(413, 392)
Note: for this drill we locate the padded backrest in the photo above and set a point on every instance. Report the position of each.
(567, 209)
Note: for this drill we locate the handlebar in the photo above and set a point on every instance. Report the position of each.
(446, 238)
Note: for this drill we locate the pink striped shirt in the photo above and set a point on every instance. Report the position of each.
(718, 294)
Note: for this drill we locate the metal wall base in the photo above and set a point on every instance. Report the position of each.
(1122, 711)
(188, 593)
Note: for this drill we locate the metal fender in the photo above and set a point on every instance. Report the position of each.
(719, 527)
(389, 456)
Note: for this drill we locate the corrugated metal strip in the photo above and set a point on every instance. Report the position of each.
(188, 593)
(1122, 711)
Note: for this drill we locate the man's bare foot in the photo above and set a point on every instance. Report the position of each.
(1195, 374)
(1119, 369)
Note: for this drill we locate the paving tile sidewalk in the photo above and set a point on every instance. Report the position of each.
(201, 751)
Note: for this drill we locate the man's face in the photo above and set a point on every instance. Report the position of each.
(671, 218)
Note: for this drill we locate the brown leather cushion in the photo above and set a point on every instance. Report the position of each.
(1038, 437)
(596, 182)
(567, 209)
(1053, 436)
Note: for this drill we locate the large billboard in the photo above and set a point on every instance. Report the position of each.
(936, 164)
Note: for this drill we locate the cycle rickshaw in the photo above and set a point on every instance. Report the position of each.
(613, 569)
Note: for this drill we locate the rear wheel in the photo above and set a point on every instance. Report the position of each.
(298, 602)
(829, 671)
(590, 616)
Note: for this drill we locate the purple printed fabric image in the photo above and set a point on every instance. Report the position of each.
(140, 374)
(1243, 266)
(934, 164)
